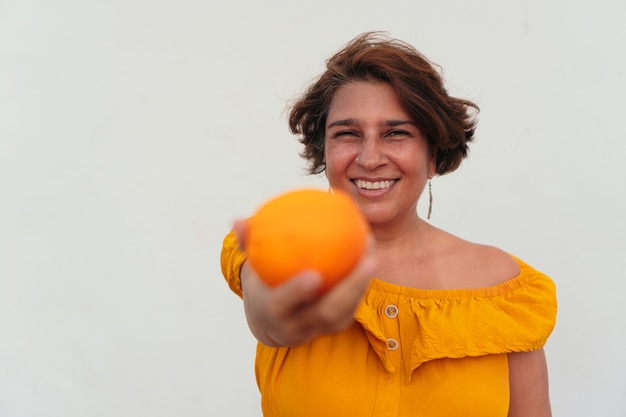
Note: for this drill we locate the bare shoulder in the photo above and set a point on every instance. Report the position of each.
(480, 265)
(449, 262)
(494, 263)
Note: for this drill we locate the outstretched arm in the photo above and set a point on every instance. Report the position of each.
(294, 313)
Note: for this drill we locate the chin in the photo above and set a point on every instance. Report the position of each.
(376, 217)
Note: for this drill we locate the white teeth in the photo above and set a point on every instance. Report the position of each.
(376, 185)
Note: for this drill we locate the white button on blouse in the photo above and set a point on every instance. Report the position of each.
(392, 344)
(391, 311)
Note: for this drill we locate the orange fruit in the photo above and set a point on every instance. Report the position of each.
(306, 229)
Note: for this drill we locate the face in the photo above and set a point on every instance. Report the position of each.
(375, 152)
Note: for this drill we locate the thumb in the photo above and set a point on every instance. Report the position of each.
(297, 291)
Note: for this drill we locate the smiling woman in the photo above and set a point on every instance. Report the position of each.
(427, 323)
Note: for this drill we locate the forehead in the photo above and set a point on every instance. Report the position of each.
(367, 100)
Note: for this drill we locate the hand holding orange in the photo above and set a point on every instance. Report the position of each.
(306, 229)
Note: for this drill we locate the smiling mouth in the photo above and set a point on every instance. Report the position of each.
(374, 185)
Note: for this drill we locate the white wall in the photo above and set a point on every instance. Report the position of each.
(133, 132)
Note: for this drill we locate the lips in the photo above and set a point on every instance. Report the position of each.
(374, 185)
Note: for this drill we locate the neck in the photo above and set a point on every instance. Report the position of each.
(400, 234)
(403, 250)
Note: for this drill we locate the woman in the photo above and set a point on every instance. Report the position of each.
(446, 327)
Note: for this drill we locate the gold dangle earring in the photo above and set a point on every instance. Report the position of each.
(430, 199)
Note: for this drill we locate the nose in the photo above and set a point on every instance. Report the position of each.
(371, 154)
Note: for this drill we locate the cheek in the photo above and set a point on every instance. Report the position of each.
(333, 166)
(333, 153)
(338, 159)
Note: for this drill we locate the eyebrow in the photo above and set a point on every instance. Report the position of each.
(400, 123)
(350, 122)
(344, 122)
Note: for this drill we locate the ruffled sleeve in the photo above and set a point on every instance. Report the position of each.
(517, 315)
(232, 259)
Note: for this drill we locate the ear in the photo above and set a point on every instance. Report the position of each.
(432, 165)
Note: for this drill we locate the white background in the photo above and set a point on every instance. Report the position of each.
(133, 132)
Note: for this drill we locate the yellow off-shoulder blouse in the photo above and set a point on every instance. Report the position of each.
(410, 352)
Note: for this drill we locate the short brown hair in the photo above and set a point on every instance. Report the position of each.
(447, 122)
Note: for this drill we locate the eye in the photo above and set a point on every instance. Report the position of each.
(398, 134)
(346, 135)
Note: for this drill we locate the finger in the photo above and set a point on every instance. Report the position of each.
(289, 297)
(334, 311)
(240, 227)
(354, 284)
(337, 307)
(286, 304)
